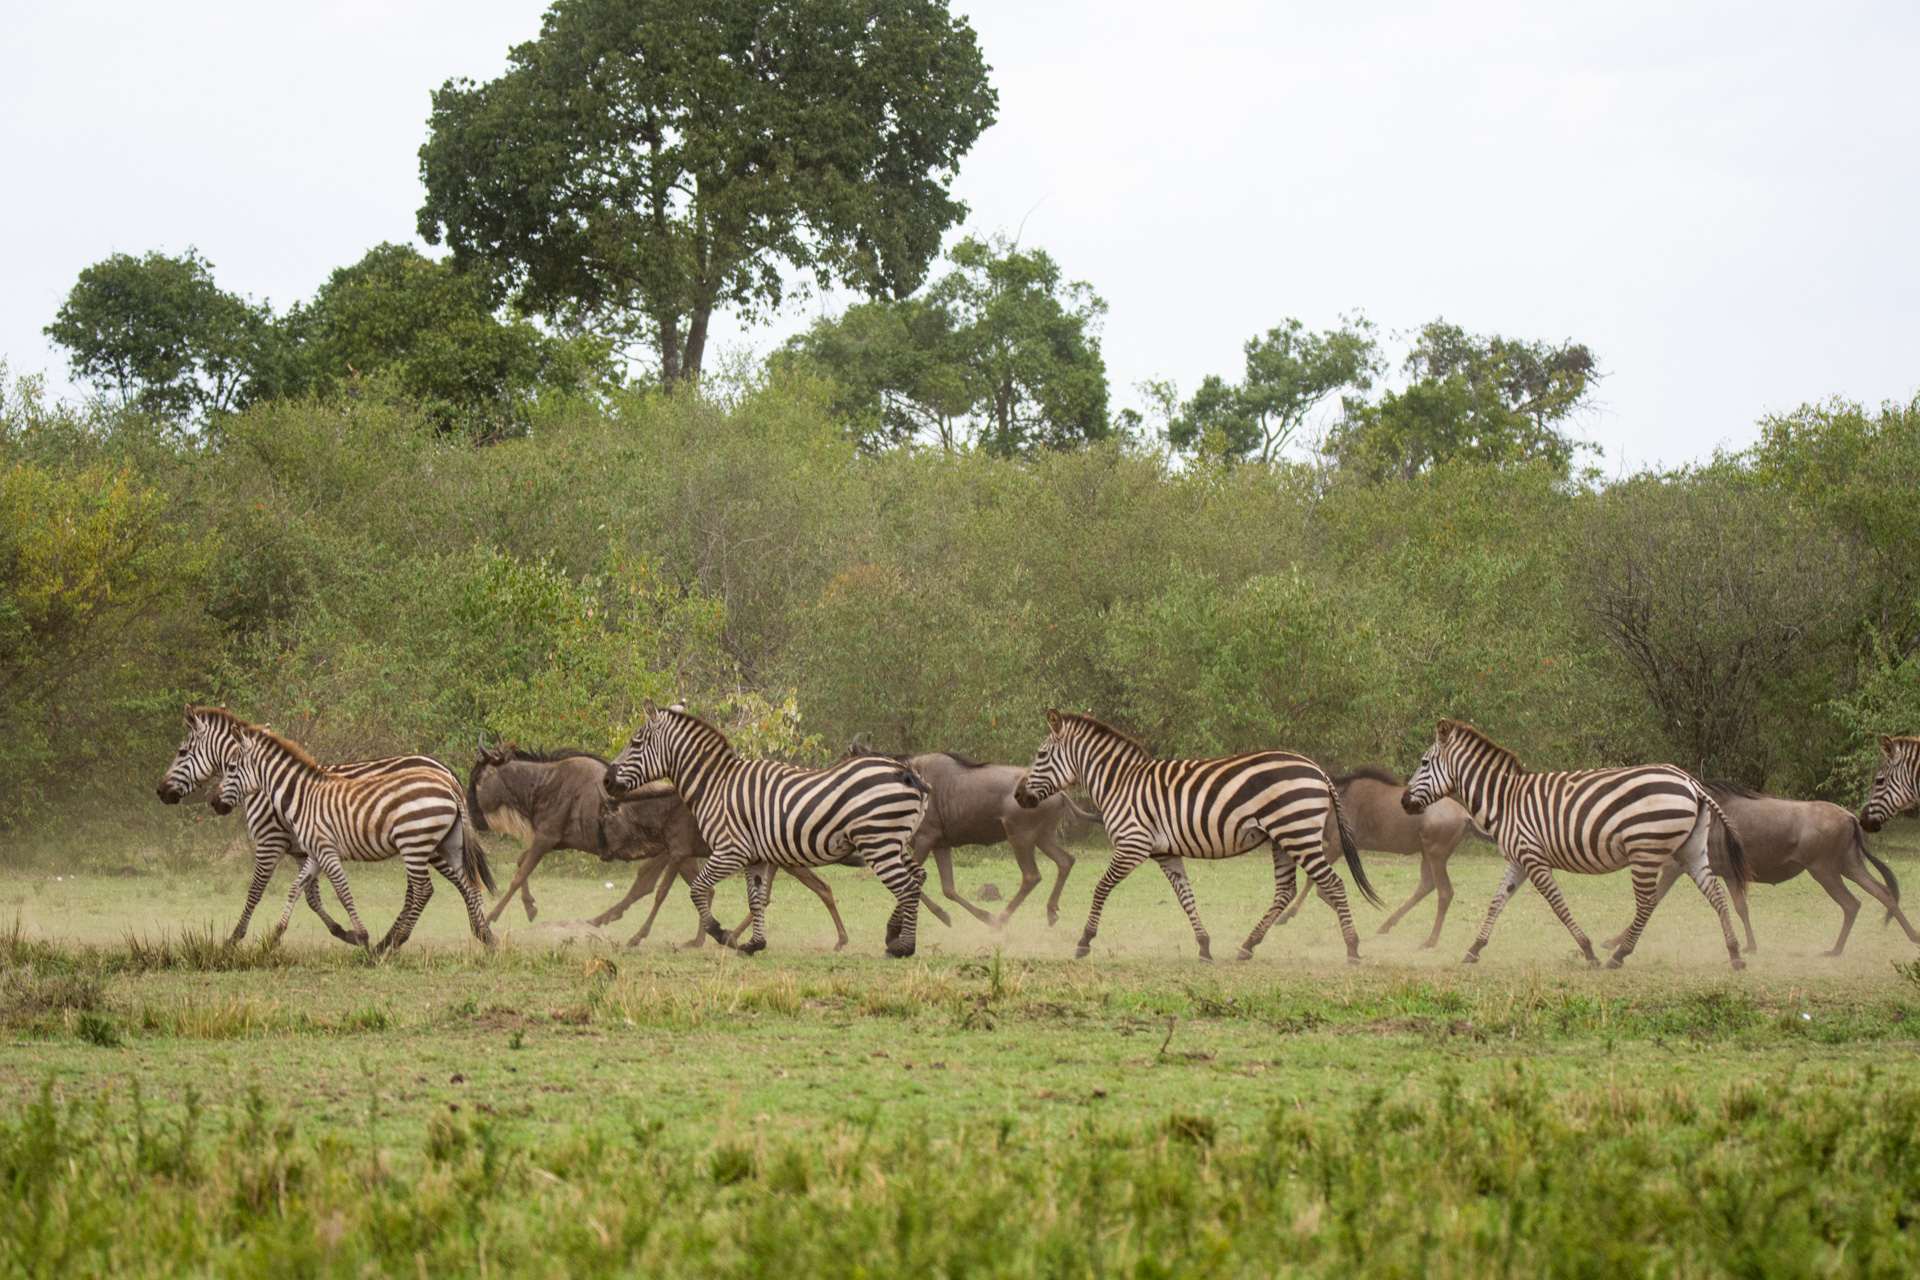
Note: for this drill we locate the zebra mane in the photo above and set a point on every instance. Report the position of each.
(1372, 772)
(217, 713)
(1077, 717)
(288, 745)
(1462, 728)
(687, 717)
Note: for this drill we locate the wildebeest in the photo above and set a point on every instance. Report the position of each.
(1371, 798)
(553, 800)
(1784, 837)
(972, 804)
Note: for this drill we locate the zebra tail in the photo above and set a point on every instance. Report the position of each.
(1886, 872)
(1350, 848)
(476, 855)
(1736, 854)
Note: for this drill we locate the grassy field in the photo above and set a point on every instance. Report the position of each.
(568, 1105)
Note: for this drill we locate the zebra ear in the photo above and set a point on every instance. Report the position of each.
(1444, 729)
(1886, 745)
(1053, 719)
(680, 706)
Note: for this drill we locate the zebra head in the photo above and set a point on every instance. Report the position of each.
(1052, 769)
(1897, 784)
(242, 773)
(644, 758)
(211, 734)
(1435, 777)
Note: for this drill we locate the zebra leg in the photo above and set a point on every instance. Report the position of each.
(1123, 864)
(1285, 881)
(1327, 881)
(904, 877)
(270, 841)
(338, 875)
(308, 870)
(759, 892)
(1669, 872)
(1646, 896)
(720, 865)
(897, 922)
(1542, 876)
(1694, 855)
(419, 890)
(1175, 870)
(1509, 882)
(469, 893)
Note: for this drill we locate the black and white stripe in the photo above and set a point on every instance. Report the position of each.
(1590, 822)
(1169, 810)
(1896, 785)
(212, 733)
(418, 815)
(761, 811)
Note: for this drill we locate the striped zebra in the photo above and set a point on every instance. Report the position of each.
(1590, 822)
(1170, 810)
(212, 732)
(1896, 784)
(764, 812)
(418, 815)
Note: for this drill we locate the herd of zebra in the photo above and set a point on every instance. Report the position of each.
(678, 796)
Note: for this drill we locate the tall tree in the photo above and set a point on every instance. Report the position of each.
(1289, 372)
(644, 162)
(1489, 399)
(159, 333)
(1002, 351)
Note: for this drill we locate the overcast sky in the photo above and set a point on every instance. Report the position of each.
(1719, 199)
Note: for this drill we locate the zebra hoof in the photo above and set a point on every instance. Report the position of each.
(751, 948)
(899, 950)
(1738, 963)
(1080, 952)
(1614, 963)
(1245, 953)
(1470, 958)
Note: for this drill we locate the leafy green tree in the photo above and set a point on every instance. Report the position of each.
(436, 330)
(1485, 399)
(646, 161)
(159, 333)
(1001, 351)
(1289, 373)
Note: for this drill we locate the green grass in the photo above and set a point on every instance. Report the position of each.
(991, 1107)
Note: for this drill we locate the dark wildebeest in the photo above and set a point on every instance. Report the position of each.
(1371, 798)
(552, 800)
(1782, 838)
(972, 804)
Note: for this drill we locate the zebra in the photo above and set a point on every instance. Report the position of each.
(1170, 810)
(1896, 784)
(765, 812)
(1591, 822)
(214, 731)
(418, 814)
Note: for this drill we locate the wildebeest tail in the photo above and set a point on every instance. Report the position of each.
(1088, 816)
(1350, 848)
(1886, 872)
(1736, 854)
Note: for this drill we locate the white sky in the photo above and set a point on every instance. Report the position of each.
(1711, 196)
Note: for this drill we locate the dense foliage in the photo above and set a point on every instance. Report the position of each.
(373, 584)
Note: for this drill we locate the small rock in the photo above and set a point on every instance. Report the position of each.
(456, 1078)
(989, 893)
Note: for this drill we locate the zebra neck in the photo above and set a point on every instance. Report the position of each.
(1101, 774)
(1484, 795)
(697, 770)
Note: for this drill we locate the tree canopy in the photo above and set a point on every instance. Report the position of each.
(644, 162)
(1488, 399)
(1001, 352)
(159, 334)
(1289, 372)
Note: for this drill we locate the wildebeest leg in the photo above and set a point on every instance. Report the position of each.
(1285, 881)
(1645, 898)
(1853, 867)
(1509, 881)
(1670, 870)
(643, 881)
(1123, 864)
(1176, 873)
(1436, 859)
(943, 859)
(1063, 866)
(824, 892)
(1029, 881)
(1694, 855)
(1827, 878)
(528, 861)
(1738, 894)
(1425, 887)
